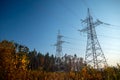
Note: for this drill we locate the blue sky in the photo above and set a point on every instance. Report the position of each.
(35, 23)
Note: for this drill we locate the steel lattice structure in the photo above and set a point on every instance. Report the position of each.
(59, 45)
(94, 55)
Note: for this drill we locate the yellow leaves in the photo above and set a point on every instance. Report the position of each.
(84, 72)
(23, 60)
(13, 66)
(9, 61)
(72, 75)
(6, 49)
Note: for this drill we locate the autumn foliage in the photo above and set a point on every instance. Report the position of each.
(18, 63)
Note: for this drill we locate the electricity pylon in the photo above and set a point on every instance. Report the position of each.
(59, 45)
(94, 55)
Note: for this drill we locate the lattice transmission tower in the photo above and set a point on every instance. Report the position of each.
(59, 45)
(94, 55)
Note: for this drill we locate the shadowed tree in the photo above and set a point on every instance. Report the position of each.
(12, 64)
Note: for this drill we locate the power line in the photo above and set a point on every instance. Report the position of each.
(111, 37)
(105, 36)
(115, 27)
(88, 6)
(85, 4)
(94, 55)
(68, 9)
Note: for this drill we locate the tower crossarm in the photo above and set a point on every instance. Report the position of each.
(94, 55)
(98, 22)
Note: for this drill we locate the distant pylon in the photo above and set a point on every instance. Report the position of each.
(94, 55)
(59, 45)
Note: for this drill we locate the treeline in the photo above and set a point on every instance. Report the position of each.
(17, 62)
(49, 63)
(16, 58)
(31, 60)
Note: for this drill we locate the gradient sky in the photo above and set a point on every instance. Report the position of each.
(35, 23)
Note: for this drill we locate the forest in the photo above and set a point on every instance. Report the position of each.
(17, 62)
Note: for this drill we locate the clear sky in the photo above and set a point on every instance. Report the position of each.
(35, 23)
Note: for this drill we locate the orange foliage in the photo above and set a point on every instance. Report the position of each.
(13, 66)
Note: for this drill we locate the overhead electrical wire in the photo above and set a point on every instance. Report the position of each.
(110, 37)
(68, 9)
(105, 36)
(88, 6)
(115, 27)
(107, 25)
